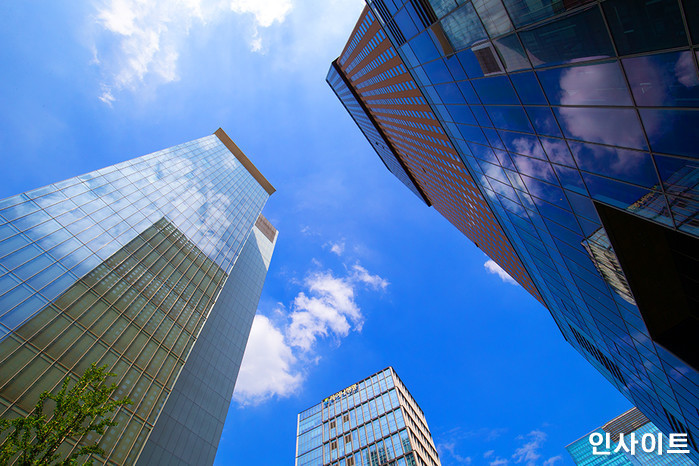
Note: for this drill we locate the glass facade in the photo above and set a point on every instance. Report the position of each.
(372, 132)
(124, 267)
(644, 454)
(575, 122)
(373, 422)
(393, 104)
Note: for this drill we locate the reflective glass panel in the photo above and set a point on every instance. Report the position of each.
(449, 93)
(599, 84)
(582, 36)
(437, 72)
(461, 114)
(423, 48)
(672, 131)
(463, 27)
(467, 91)
(684, 211)
(623, 164)
(495, 90)
(442, 7)
(455, 67)
(493, 16)
(406, 24)
(528, 89)
(680, 176)
(645, 25)
(528, 11)
(664, 80)
(470, 63)
(557, 151)
(512, 53)
(543, 120)
(509, 117)
(691, 12)
(526, 144)
(640, 201)
(613, 126)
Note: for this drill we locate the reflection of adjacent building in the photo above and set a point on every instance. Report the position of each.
(652, 205)
(153, 267)
(683, 185)
(604, 258)
(560, 137)
(373, 422)
(630, 422)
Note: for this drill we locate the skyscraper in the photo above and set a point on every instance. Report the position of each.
(623, 451)
(558, 136)
(153, 267)
(373, 422)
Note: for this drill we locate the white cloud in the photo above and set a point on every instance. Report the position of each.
(488, 453)
(266, 12)
(267, 367)
(499, 461)
(361, 274)
(275, 354)
(329, 307)
(553, 460)
(529, 452)
(144, 37)
(139, 41)
(492, 267)
(443, 448)
(337, 248)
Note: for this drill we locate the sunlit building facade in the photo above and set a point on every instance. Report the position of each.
(373, 422)
(152, 267)
(559, 136)
(639, 445)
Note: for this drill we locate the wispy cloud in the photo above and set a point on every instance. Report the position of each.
(337, 248)
(265, 13)
(492, 267)
(499, 461)
(529, 452)
(553, 460)
(138, 42)
(362, 275)
(279, 347)
(140, 39)
(444, 448)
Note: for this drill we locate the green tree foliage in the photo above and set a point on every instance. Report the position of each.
(83, 408)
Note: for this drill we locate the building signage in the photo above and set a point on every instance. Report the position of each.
(347, 391)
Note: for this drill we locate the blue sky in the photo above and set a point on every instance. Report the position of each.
(364, 276)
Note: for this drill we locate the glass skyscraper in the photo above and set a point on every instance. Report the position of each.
(630, 422)
(153, 267)
(559, 136)
(373, 422)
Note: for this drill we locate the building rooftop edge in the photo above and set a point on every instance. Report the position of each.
(355, 383)
(242, 158)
